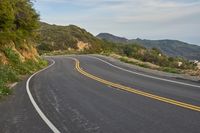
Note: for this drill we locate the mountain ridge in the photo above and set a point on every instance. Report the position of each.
(170, 47)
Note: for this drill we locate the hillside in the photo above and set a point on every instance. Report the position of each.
(55, 37)
(18, 54)
(169, 47)
(112, 38)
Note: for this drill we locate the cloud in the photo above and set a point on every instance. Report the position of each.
(131, 18)
(158, 15)
(133, 10)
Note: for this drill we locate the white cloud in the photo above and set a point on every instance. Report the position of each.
(131, 18)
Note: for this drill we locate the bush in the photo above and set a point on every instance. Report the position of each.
(10, 73)
(171, 70)
(7, 74)
(126, 60)
(4, 90)
(29, 66)
(12, 56)
(128, 51)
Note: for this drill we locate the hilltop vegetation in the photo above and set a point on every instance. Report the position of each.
(18, 20)
(169, 47)
(154, 56)
(54, 37)
(18, 56)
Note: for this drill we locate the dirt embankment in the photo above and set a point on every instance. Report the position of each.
(25, 51)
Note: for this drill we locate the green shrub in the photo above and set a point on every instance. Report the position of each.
(12, 56)
(4, 90)
(10, 73)
(143, 65)
(7, 74)
(29, 66)
(125, 60)
(171, 70)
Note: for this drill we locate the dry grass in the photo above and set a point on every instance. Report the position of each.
(135, 61)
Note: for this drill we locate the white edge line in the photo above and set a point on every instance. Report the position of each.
(144, 75)
(39, 111)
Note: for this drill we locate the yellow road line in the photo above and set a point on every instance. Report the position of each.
(132, 90)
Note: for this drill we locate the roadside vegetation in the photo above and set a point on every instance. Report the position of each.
(150, 58)
(13, 71)
(18, 30)
(60, 40)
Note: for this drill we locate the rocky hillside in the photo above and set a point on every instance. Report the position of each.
(55, 37)
(27, 51)
(169, 47)
(18, 55)
(18, 23)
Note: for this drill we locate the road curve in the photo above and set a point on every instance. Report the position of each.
(75, 103)
(135, 91)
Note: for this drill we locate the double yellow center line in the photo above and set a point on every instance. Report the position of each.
(132, 90)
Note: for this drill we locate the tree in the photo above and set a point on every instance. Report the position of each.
(156, 50)
(26, 18)
(18, 16)
(6, 15)
(128, 50)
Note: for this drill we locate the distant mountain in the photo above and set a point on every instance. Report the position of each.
(112, 38)
(169, 47)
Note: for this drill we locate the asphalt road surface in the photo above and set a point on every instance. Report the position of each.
(88, 95)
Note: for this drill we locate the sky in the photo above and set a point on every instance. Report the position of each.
(145, 19)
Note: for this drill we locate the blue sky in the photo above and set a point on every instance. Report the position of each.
(146, 19)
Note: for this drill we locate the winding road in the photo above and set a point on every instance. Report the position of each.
(88, 94)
